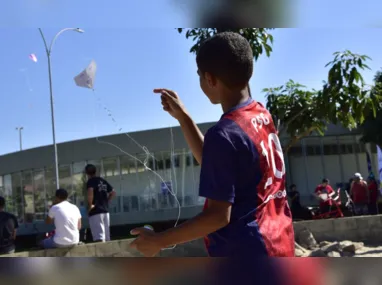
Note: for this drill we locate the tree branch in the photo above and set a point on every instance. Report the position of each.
(297, 138)
(285, 126)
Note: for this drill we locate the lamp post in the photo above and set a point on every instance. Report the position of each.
(19, 129)
(48, 53)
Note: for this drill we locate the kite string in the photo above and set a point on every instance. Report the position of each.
(27, 80)
(144, 163)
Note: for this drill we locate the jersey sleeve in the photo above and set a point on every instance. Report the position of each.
(218, 169)
(89, 184)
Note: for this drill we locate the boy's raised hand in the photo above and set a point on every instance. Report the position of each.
(171, 103)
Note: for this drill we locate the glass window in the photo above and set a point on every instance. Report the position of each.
(134, 203)
(308, 179)
(140, 166)
(28, 196)
(348, 157)
(79, 183)
(127, 165)
(50, 186)
(332, 167)
(188, 201)
(163, 200)
(126, 203)
(110, 167)
(128, 183)
(39, 194)
(159, 164)
(1, 186)
(144, 203)
(66, 182)
(18, 196)
(10, 198)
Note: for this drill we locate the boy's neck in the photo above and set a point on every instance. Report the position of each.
(232, 100)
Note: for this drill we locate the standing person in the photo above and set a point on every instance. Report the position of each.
(294, 196)
(359, 193)
(8, 227)
(324, 189)
(66, 218)
(100, 193)
(84, 213)
(348, 185)
(246, 214)
(374, 195)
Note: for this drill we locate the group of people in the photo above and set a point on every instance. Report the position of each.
(363, 194)
(66, 216)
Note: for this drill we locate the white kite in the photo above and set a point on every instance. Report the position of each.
(86, 78)
(33, 57)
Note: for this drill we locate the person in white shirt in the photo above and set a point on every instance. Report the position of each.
(67, 220)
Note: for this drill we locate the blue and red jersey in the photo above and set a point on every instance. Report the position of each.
(243, 164)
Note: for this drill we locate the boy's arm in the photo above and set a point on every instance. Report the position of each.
(193, 136)
(50, 218)
(110, 192)
(173, 105)
(215, 217)
(90, 197)
(217, 183)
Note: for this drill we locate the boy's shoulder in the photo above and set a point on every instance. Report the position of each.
(224, 129)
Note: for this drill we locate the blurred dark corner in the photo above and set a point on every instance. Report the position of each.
(188, 271)
(240, 13)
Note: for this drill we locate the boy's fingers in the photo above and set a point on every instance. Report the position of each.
(136, 231)
(166, 92)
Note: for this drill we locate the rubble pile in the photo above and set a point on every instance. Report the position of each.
(307, 246)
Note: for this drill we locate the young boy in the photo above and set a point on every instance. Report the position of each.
(242, 165)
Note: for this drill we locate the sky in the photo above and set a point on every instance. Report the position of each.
(131, 62)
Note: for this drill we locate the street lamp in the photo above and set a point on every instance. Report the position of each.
(48, 53)
(19, 129)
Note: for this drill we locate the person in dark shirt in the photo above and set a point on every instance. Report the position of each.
(100, 193)
(246, 215)
(373, 194)
(294, 197)
(8, 227)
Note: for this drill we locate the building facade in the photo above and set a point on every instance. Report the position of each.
(27, 178)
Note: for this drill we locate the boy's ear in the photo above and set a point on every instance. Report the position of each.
(211, 80)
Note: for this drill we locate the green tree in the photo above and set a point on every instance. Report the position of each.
(259, 38)
(344, 99)
(372, 127)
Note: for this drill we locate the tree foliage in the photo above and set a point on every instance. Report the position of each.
(372, 127)
(344, 99)
(259, 38)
